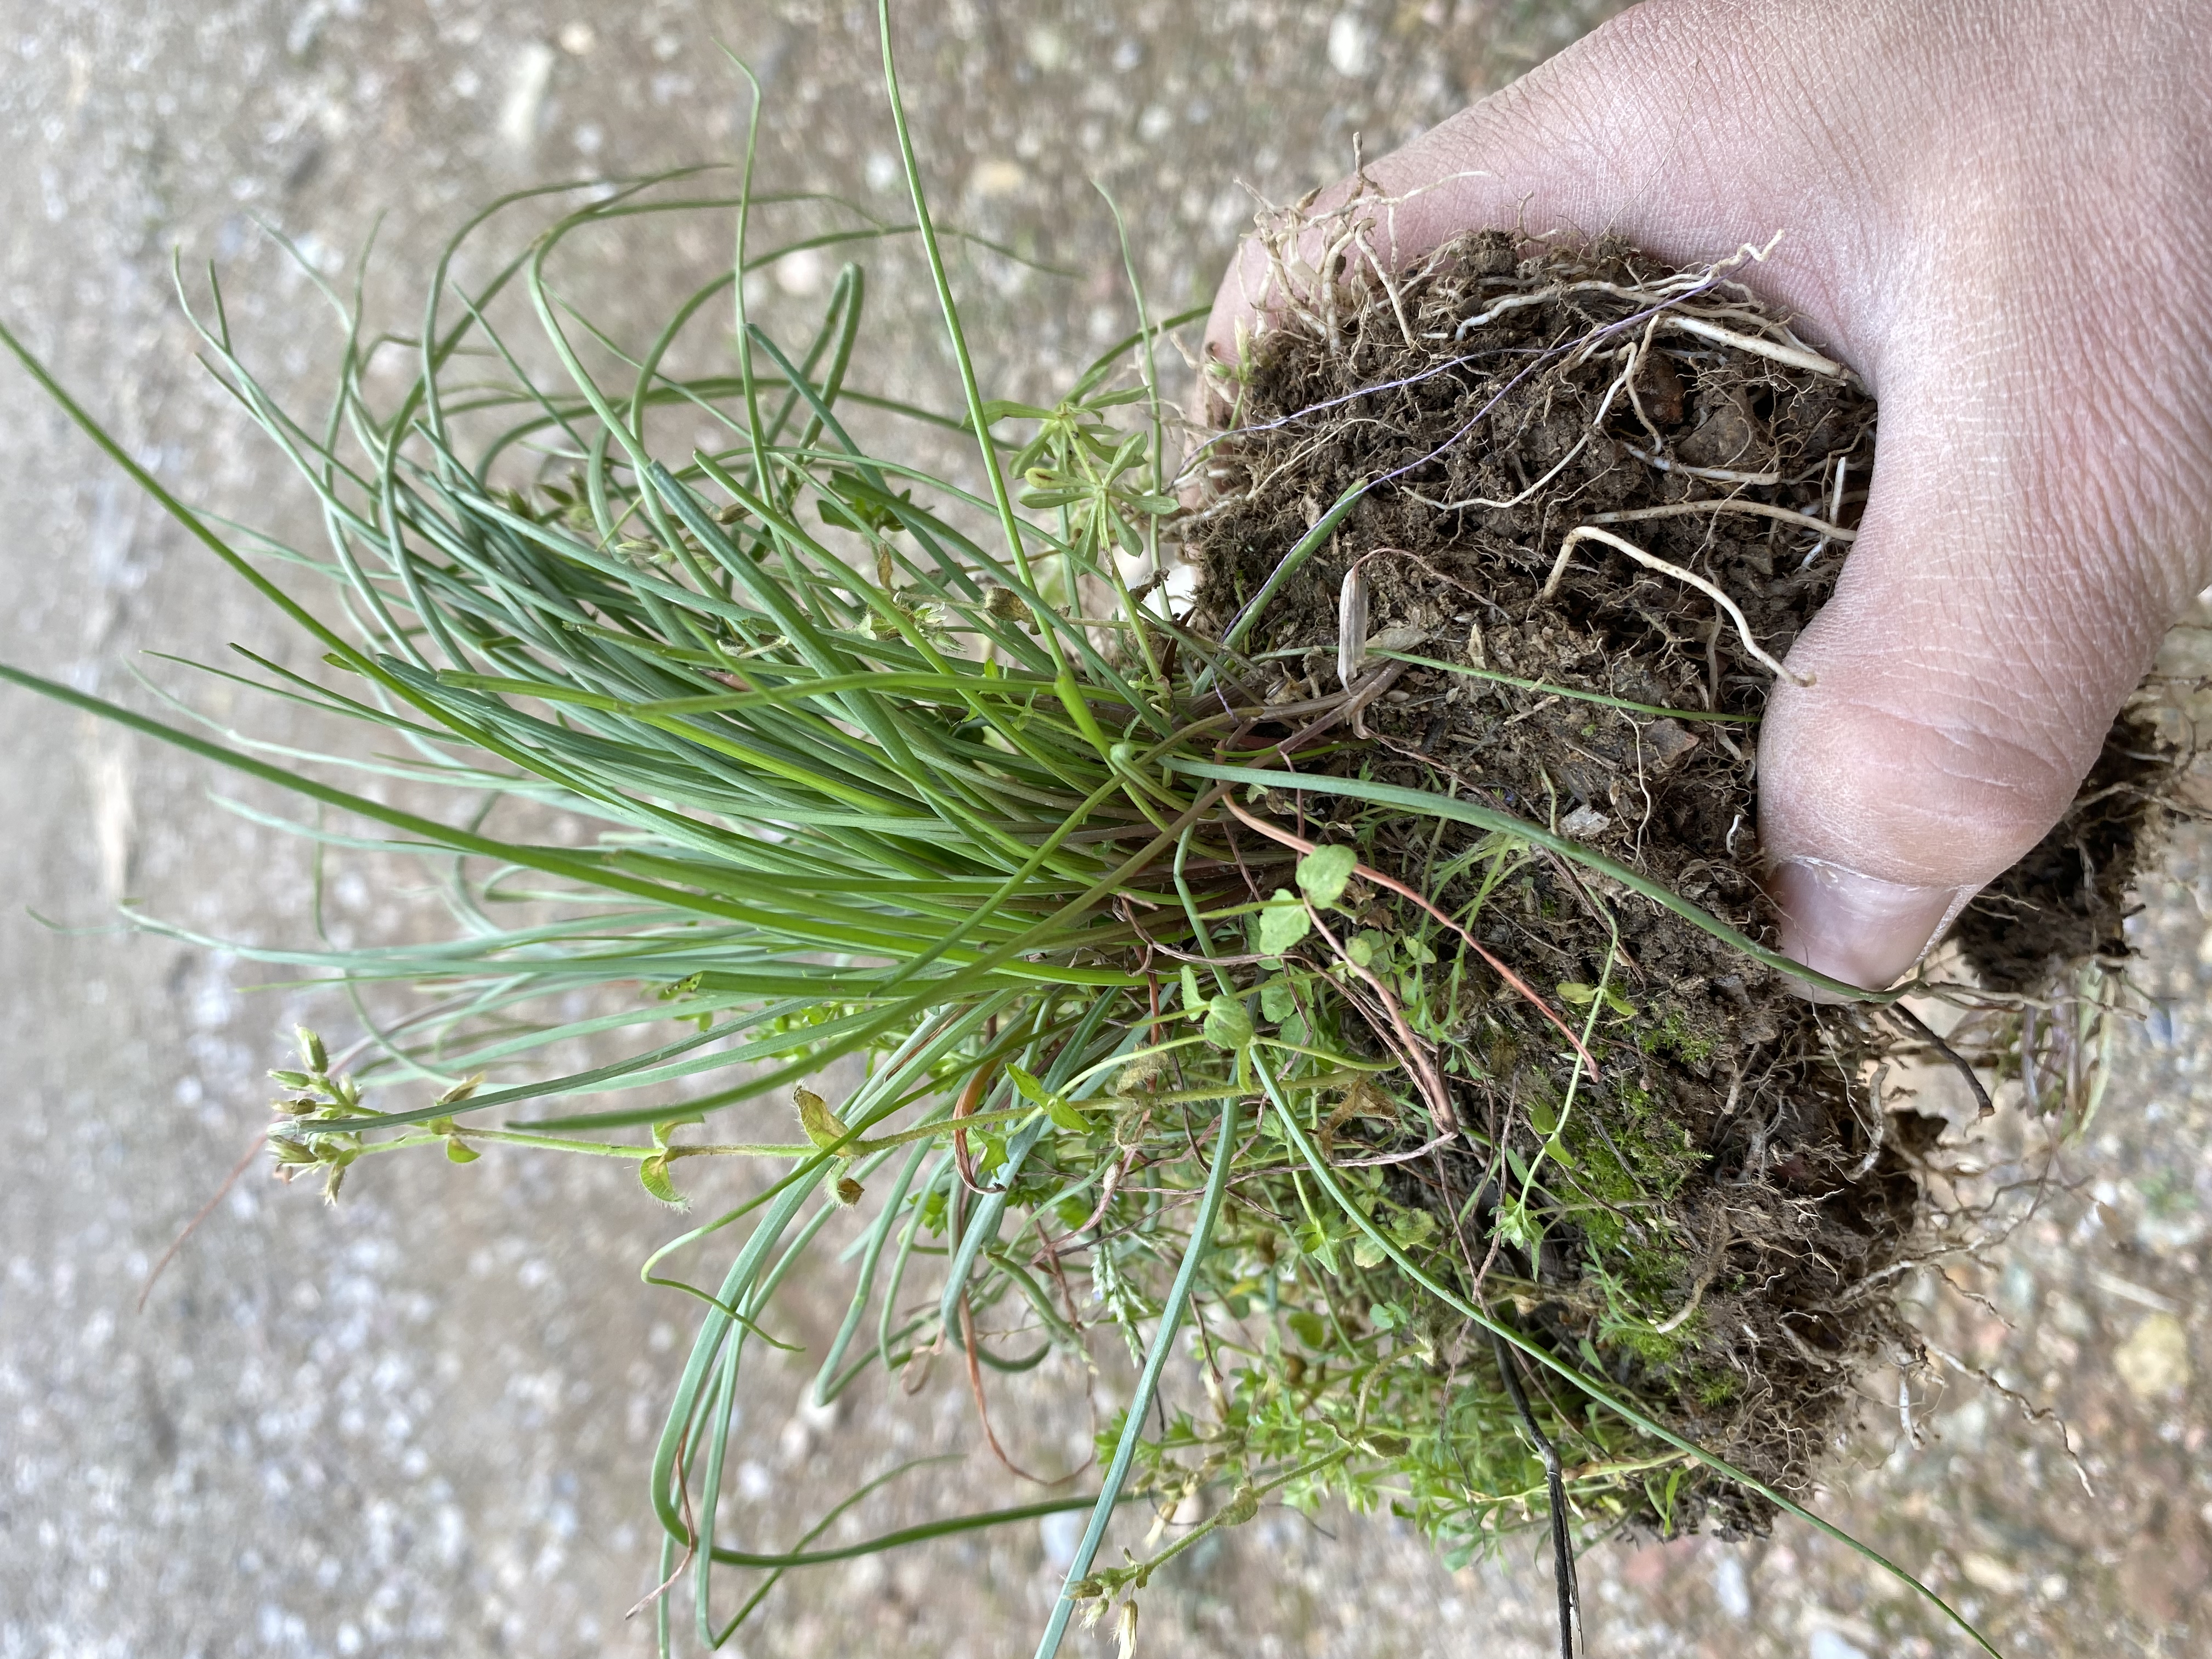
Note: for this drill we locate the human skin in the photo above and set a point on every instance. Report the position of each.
(1999, 213)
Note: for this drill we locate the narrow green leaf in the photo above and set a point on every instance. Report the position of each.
(1430, 803)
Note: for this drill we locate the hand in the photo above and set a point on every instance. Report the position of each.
(2000, 213)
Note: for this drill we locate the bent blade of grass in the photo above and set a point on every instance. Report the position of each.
(1148, 1381)
(1289, 566)
(877, 1237)
(983, 1227)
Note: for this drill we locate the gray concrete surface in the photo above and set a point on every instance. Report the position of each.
(414, 1424)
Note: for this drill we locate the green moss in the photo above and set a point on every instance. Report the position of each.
(1632, 1157)
(1652, 1347)
(1672, 1034)
(1711, 1388)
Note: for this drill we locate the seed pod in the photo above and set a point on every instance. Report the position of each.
(1475, 654)
(1351, 626)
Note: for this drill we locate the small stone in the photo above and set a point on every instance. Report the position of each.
(2154, 1361)
(1351, 43)
(993, 179)
(801, 272)
(1991, 1574)
(1730, 1588)
(1583, 822)
(1667, 741)
(1047, 50)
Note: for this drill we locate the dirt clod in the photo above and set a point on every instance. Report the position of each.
(2064, 902)
(1721, 1216)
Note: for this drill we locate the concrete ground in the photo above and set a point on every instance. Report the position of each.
(414, 1424)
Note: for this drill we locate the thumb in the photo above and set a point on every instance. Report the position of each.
(1990, 623)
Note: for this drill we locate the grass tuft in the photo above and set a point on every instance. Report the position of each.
(780, 748)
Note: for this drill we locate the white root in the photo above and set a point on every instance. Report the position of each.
(1880, 1121)
(1635, 362)
(1715, 1259)
(1484, 501)
(1397, 306)
(1716, 474)
(1728, 504)
(1795, 356)
(1591, 532)
(1835, 511)
(1659, 293)
(2029, 1411)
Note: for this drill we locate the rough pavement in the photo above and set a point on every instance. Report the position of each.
(415, 1425)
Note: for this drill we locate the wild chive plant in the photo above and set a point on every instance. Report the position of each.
(863, 765)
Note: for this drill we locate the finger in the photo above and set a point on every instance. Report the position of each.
(1995, 611)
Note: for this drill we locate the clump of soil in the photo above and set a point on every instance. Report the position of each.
(2063, 903)
(1726, 1209)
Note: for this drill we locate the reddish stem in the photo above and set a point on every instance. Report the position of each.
(1400, 887)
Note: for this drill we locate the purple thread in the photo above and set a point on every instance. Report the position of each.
(1428, 373)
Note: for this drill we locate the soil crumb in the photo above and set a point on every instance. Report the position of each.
(2064, 902)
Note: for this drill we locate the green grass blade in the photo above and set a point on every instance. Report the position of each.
(1488, 817)
(1170, 1321)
